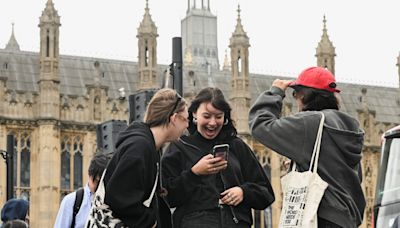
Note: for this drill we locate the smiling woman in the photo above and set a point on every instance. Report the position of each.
(216, 191)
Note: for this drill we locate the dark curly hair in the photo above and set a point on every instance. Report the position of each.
(98, 164)
(316, 99)
(214, 96)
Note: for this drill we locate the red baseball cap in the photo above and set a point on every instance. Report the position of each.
(317, 78)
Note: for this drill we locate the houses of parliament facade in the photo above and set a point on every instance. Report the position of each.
(52, 104)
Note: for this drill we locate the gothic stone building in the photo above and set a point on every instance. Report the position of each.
(52, 103)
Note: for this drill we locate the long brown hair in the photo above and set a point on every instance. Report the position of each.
(162, 106)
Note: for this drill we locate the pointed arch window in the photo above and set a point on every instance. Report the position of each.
(22, 164)
(47, 43)
(146, 53)
(239, 64)
(55, 46)
(78, 149)
(71, 163)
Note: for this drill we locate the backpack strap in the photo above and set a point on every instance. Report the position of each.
(77, 204)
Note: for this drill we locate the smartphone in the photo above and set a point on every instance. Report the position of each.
(221, 151)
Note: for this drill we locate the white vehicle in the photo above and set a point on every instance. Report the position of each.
(387, 198)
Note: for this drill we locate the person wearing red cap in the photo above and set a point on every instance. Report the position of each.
(293, 136)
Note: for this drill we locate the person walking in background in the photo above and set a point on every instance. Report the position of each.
(342, 140)
(208, 191)
(131, 175)
(15, 209)
(75, 206)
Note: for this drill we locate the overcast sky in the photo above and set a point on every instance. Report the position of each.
(283, 34)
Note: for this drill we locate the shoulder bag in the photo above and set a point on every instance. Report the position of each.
(101, 215)
(303, 191)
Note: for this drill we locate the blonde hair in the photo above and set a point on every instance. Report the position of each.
(162, 106)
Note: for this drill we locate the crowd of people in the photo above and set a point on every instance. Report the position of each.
(170, 161)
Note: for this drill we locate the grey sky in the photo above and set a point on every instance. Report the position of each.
(283, 34)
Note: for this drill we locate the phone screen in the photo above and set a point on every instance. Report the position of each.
(221, 151)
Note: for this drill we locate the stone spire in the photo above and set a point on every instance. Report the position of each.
(147, 46)
(147, 25)
(201, 5)
(239, 31)
(12, 44)
(49, 14)
(325, 52)
(227, 65)
(240, 94)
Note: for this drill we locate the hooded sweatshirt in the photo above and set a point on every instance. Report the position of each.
(130, 177)
(189, 192)
(340, 154)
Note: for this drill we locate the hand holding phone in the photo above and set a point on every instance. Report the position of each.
(221, 151)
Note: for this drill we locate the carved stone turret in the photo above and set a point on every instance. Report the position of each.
(240, 94)
(326, 51)
(49, 82)
(46, 187)
(147, 43)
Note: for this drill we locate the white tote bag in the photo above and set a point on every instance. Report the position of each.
(303, 191)
(101, 215)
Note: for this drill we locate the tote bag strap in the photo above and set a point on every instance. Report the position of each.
(147, 202)
(317, 145)
(101, 189)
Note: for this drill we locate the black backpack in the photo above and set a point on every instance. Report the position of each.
(77, 205)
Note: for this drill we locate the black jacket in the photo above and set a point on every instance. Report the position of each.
(339, 163)
(189, 192)
(130, 177)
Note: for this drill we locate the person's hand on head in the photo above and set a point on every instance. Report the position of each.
(282, 84)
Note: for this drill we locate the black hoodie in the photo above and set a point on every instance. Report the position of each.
(189, 192)
(339, 163)
(130, 177)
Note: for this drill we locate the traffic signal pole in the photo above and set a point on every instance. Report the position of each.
(8, 156)
(176, 66)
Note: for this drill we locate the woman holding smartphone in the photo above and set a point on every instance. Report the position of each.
(208, 190)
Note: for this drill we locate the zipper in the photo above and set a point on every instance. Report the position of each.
(235, 220)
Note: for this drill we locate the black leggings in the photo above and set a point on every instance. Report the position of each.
(322, 223)
(215, 218)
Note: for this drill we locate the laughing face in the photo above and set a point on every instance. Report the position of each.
(209, 120)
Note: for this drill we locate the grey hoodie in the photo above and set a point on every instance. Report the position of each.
(339, 163)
